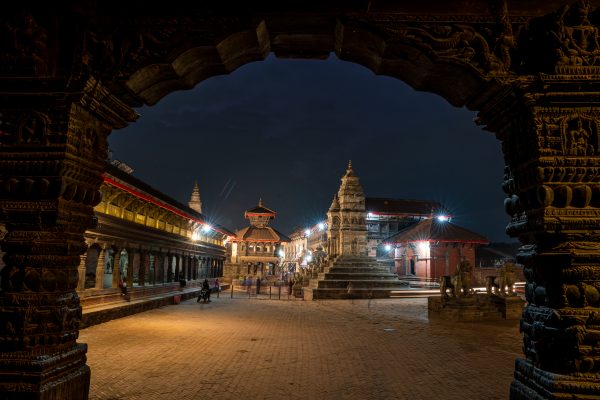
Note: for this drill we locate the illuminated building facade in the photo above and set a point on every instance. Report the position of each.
(433, 247)
(148, 239)
(386, 217)
(255, 249)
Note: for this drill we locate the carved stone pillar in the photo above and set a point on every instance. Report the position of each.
(550, 139)
(51, 161)
(169, 270)
(130, 267)
(81, 271)
(144, 259)
(183, 267)
(177, 263)
(116, 267)
(151, 269)
(190, 261)
(100, 268)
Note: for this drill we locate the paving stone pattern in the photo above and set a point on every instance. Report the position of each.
(293, 349)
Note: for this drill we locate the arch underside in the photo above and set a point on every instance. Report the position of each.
(411, 56)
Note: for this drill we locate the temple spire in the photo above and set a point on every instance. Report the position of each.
(349, 170)
(260, 203)
(195, 203)
(335, 204)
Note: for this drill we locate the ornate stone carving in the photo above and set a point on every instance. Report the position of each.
(459, 284)
(550, 182)
(563, 42)
(26, 47)
(502, 283)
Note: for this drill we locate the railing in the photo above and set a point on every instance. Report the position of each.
(264, 292)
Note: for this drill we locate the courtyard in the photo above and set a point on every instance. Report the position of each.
(294, 349)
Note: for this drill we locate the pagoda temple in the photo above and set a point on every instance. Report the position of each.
(254, 250)
(433, 247)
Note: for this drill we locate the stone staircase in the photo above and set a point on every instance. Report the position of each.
(368, 278)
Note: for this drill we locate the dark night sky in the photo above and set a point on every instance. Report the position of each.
(284, 130)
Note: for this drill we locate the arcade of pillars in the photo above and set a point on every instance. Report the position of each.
(144, 267)
(72, 73)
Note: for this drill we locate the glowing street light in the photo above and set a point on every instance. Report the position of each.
(443, 218)
(307, 232)
(206, 228)
(388, 247)
(281, 253)
(321, 226)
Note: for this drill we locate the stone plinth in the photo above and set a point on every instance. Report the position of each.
(366, 278)
(479, 307)
(46, 377)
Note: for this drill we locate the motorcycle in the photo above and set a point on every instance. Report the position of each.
(204, 295)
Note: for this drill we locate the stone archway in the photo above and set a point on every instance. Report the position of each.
(72, 73)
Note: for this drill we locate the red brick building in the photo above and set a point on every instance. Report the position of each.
(432, 248)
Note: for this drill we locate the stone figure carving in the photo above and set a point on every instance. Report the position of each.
(577, 141)
(576, 36)
(459, 284)
(502, 284)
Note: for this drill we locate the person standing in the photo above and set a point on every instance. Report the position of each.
(258, 285)
(217, 287)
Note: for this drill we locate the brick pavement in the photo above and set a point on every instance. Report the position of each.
(270, 349)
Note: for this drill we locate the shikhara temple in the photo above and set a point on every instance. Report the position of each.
(73, 72)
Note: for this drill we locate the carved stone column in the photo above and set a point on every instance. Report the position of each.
(100, 267)
(51, 161)
(550, 133)
(116, 267)
(142, 267)
(130, 267)
(177, 264)
(183, 268)
(189, 268)
(169, 270)
(81, 271)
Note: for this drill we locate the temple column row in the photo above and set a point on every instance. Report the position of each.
(147, 271)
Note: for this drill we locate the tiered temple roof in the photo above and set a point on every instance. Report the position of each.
(433, 230)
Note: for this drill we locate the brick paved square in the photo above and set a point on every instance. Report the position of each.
(269, 349)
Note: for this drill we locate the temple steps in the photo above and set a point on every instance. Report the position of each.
(362, 275)
(334, 293)
(368, 278)
(356, 284)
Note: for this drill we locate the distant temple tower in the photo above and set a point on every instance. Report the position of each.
(347, 228)
(195, 203)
